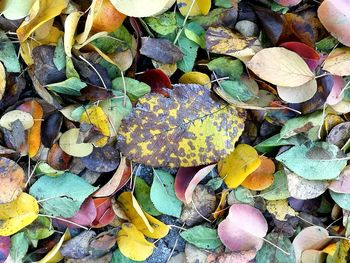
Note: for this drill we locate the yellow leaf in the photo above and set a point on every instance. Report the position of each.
(96, 116)
(280, 209)
(238, 165)
(2, 80)
(338, 62)
(160, 229)
(55, 255)
(180, 130)
(200, 7)
(219, 211)
(221, 40)
(18, 214)
(68, 143)
(134, 212)
(286, 69)
(81, 38)
(41, 12)
(330, 249)
(196, 78)
(27, 46)
(142, 8)
(133, 244)
(70, 26)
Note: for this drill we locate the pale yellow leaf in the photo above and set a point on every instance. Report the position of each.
(338, 62)
(2, 80)
(25, 118)
(142, 8)
(68, 143)
(280, 209)
(70, 26)
(298, 94)
(280, 66)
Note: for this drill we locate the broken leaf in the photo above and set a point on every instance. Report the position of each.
(25, 118)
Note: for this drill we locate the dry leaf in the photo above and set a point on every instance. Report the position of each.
(141, 8)
(338, 62)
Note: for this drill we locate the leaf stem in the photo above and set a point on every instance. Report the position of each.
(64, 220)
(184, 23)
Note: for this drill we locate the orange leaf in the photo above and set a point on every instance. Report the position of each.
(262, 177)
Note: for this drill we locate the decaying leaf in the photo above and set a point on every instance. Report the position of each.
(280, 209)
(8, 118)
(176, 131)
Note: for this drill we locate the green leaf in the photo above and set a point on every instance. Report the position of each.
(61, 196)
(269, 144)
(118, 257)
(196, 33)
(237, 90)
(71, 86)
(19, 247)
(279, 8)
(163, 24)
(320, 161)
(301, 124)
(269, 253)
(241, 195)
(134, 89)
(142, 194)
(225, 67)
(343, 200)
(223, 3)
(163, 194)
(8, 54)
(41, 228)
(327, 44)
(70, 70)
(44, 168)
(117, 41)
(279, 188)
(202, 237)
(189, 50)
(214, 17)
(215, 183)
(59, 58)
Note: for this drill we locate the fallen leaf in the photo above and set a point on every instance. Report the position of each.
(288, 2)
(54, 255)
(118, 180)
(106, 17)
(280, 209)
(343, 200)
(11, 180)
(70, 26)
(41, 12)
(313, 237)
(2, 80)
(287, 69)
(304, 189)
(298, 94)
(163, 194)
(139, 8)
(244, 256)
(324, 161)
(202, 237)
(134, 89)
(244, 159)
(200, 7)
(85, 215)
(142, 194)
(334, 16)
(196, 77)
(17, 9)
(338, 62)
(68, 143)
(336, 94)
(342, 184)
(243, 229)
(262, 177)
(177, 129)
(50, 128)
(5, 243)
(18, 214)
(8, 54)
(220, 210)
(278, 190)
(186, 180)
(133, 244)
(104, 212)
(61, 196)
(9, 117)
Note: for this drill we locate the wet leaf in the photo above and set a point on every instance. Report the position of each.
(180, 128)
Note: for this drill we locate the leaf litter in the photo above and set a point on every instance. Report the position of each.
(174, 131)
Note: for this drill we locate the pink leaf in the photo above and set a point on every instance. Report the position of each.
(243, 229)
(336, 93)
(335, 17)
(105, 213)
(186, 180)
(343, 184)
(287, 2)
(310, 56)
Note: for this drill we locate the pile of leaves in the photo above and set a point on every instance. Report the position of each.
(175, 131)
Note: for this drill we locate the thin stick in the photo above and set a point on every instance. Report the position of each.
(64, 220)
(335, 221)
(98, 74)
(31, 174)
(184, 23)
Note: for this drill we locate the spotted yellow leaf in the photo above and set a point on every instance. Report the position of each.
(190, 128)
(280, 209)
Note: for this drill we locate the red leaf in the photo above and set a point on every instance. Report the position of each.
(105, 213)
(157, 80)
